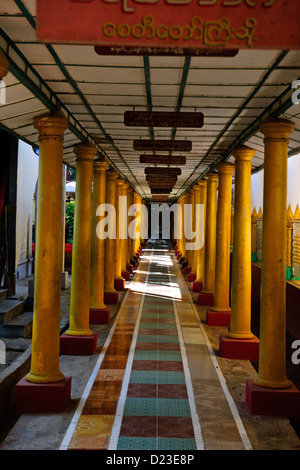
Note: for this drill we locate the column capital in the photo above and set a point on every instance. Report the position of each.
(211, 177)
(202, 183)
(225, 168)
(120, 182)
(112, 175)
(51, 125)
(276, 128)
(100, 166)
(4, 66)
(137, 196)
(243, 153)
(85, 151)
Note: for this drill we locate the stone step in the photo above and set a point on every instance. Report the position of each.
(3, 294)
(9, 309)
(18, 327)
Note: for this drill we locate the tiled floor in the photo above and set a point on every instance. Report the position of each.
(141, 394)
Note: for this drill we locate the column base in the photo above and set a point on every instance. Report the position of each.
(126, 275)
(218, 318)
(111, 297)
(197, 286)
(264, 401)
(99, 316)
(39, 397)
(187, 270)
(206, 299)
(119, 284)
(64, 278)
(129, 268)
(192, 277)
(239, 348)
(78, 345)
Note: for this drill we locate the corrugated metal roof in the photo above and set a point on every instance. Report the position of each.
(234, 93)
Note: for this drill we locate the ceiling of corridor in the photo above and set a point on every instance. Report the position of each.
(234, 94)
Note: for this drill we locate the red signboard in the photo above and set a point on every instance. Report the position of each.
(213, 24)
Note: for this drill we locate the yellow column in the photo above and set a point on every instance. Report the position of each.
(137, 244)
(240, 323)
(222, 279)
(124, 246)
(144, 222)
(272, 355)
(183, 250)
(130, 241)
(188, 221)
(129, 265)
(98, 310)
(207, 294)
(200, 253)
(81, 256)
(193, 262)
(180, 229)
(46, 315)
(119, 282)
(110, 294)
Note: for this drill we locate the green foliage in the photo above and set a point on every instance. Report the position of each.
(70, 206)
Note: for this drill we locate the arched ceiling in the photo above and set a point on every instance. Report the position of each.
(234, 94)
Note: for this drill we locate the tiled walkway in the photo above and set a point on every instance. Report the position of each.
(142, 393)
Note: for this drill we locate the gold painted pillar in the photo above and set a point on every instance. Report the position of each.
(124, 246)
(188, 225)
(110, 294)
(206, 296)
(180, 230)
(46, 314)
(193, 260)
(184, 255)
(98, 310)
(240, 323)
(272, 356)
(130, 265)
(222, 279)
(137, 224)
(197, 285)
(81, 255)
(119, 281)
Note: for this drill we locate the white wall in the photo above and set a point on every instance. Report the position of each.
(26, 182)
(293, 185)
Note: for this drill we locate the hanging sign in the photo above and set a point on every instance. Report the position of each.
(207, 24)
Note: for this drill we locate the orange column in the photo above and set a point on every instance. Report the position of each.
(99, 312)
(219, 314)
(45, 388)
(110, 294)
(79, 338)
